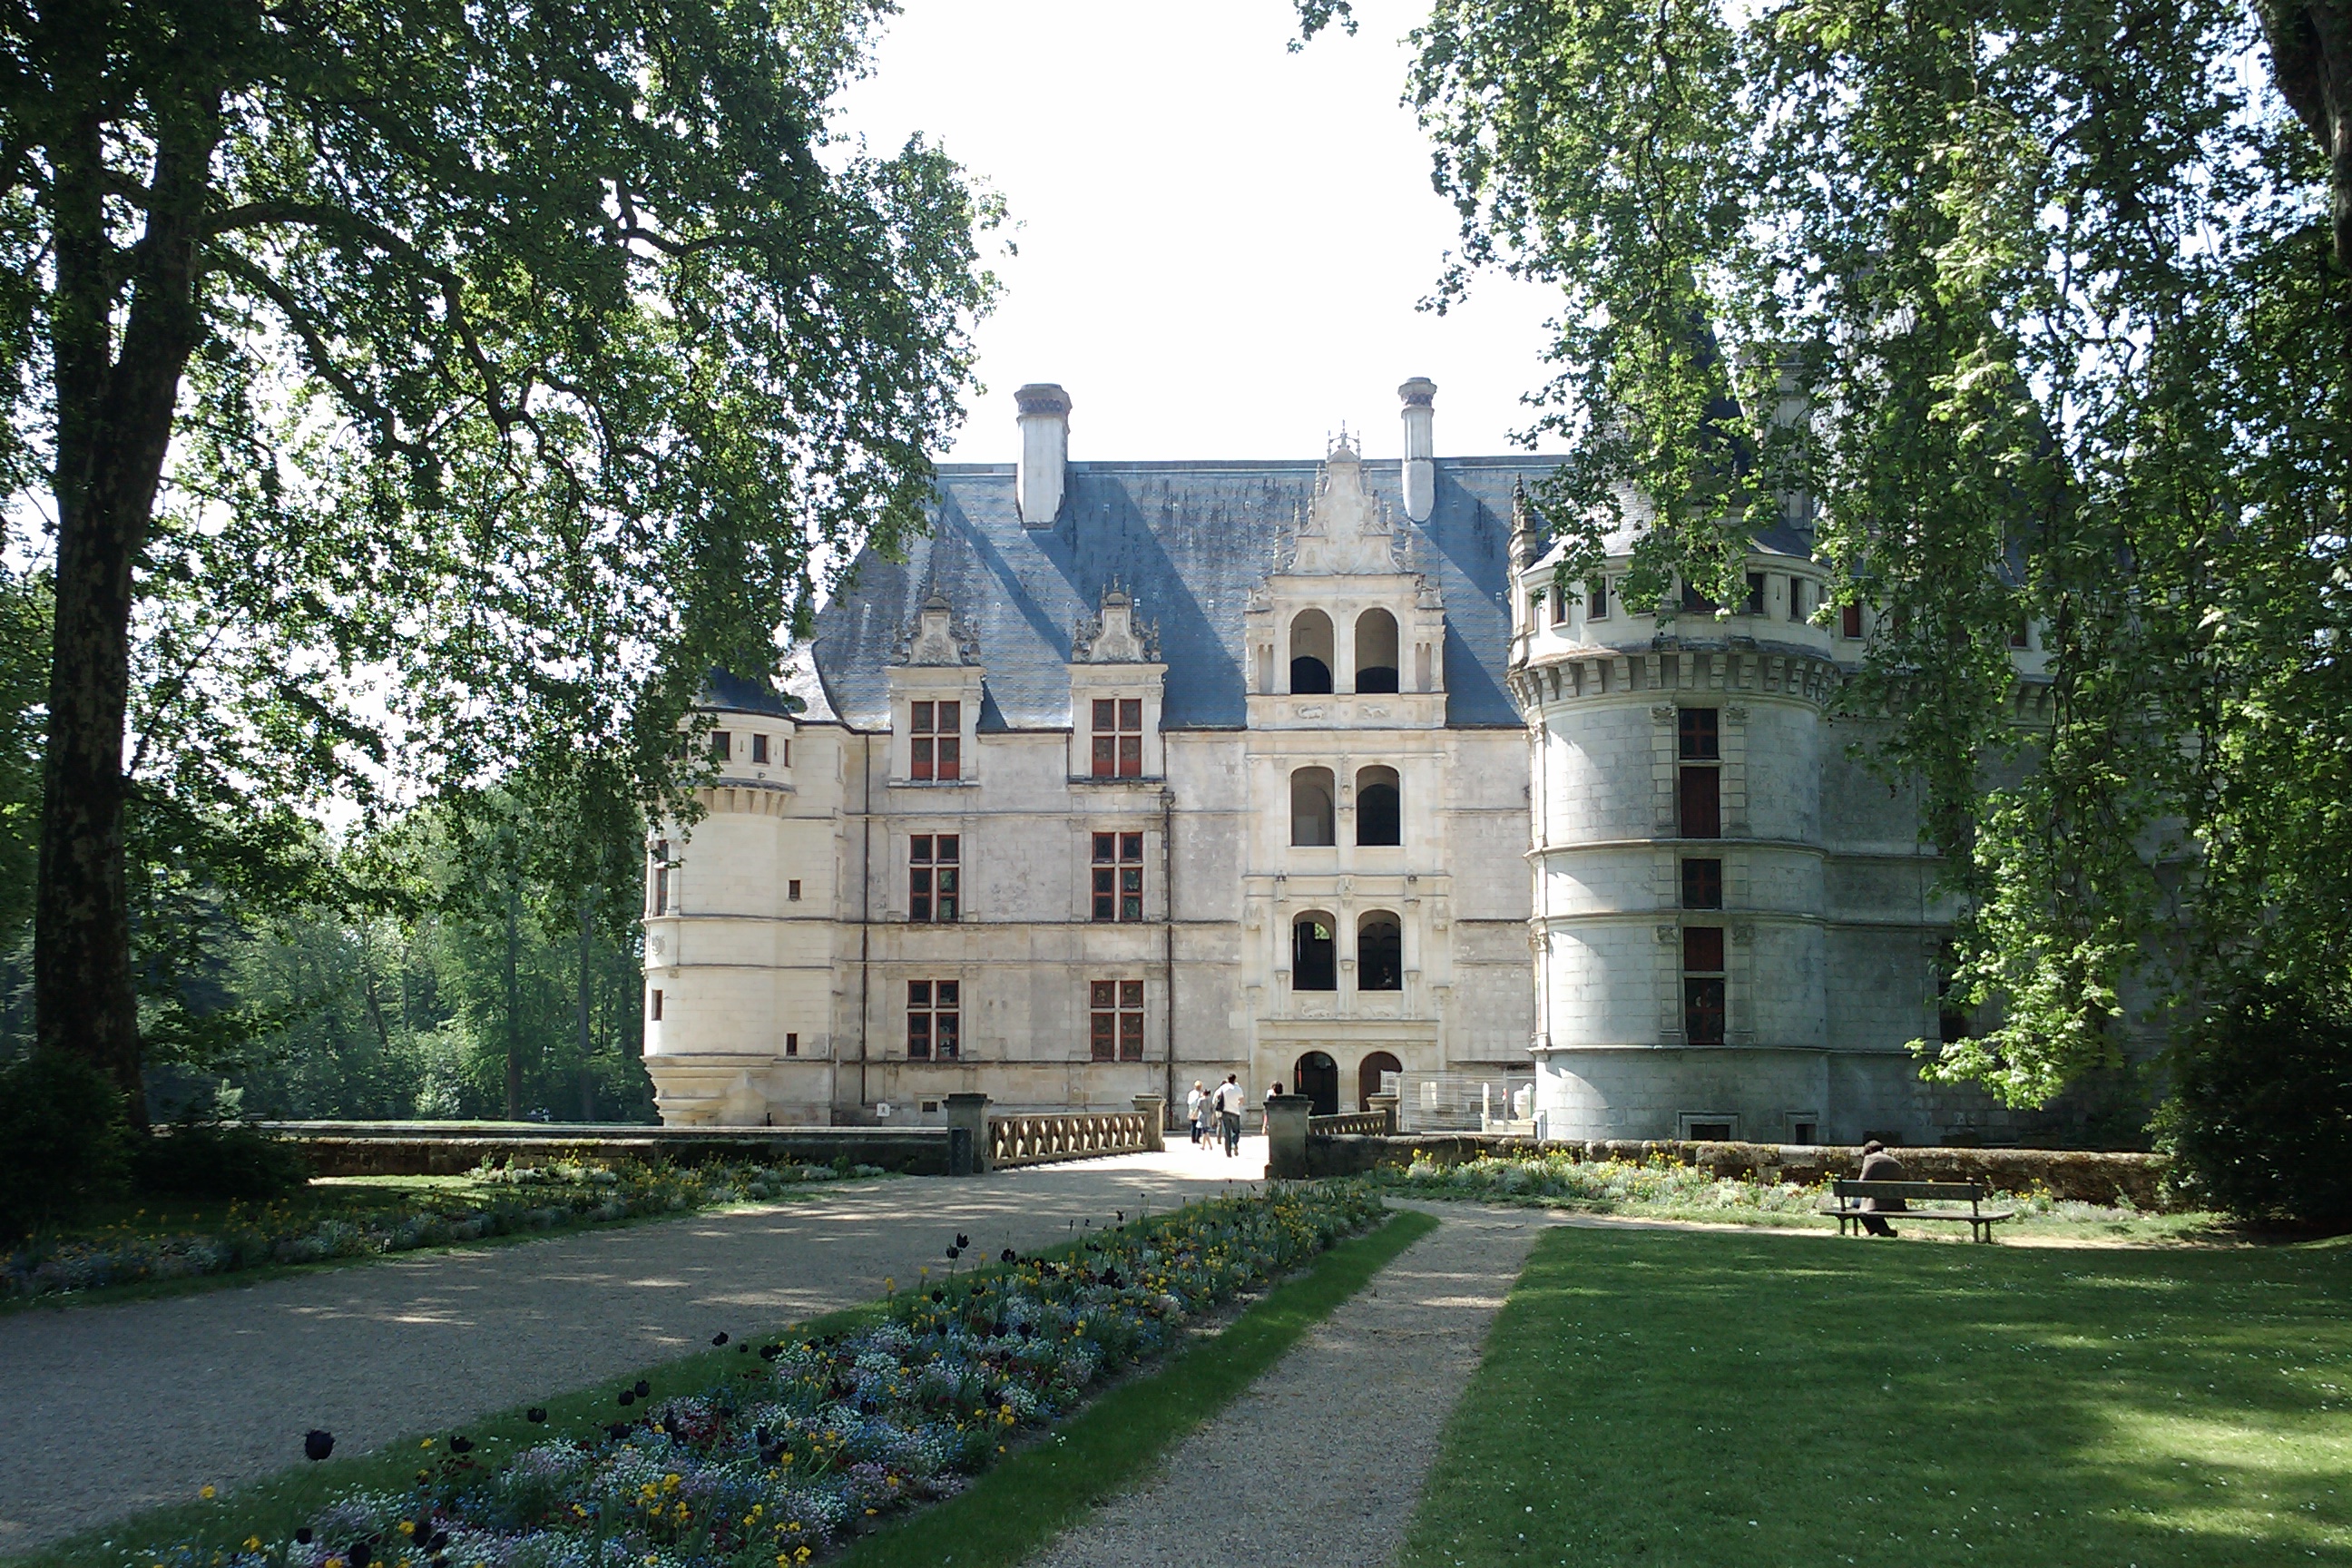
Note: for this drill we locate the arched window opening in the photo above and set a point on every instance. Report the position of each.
(1317, 1075)
(1311, 653)
(1379, 953)
(1311, 817)
(1368, 1077)
(1376, 651)
(1314, 962)
(1380, 807)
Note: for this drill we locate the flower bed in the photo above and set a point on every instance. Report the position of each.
(824, 1435)
(534, 1198)
(1667, 1185)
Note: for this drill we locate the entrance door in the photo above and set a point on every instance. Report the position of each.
(1317, 1076)
(1368, 1077)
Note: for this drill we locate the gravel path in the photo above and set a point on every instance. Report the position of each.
(1322, 1461)
(119, 1408)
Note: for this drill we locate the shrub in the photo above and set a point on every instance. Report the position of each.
(63, 1140)
(202, 1158)
(2260, 1121)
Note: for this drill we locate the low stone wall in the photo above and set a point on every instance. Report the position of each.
(452, 1147)
(2083, 1177)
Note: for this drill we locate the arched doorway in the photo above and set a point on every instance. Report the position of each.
(1368, 1077)
(1317, 1075)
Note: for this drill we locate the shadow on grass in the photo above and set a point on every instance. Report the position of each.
(1695, 1398)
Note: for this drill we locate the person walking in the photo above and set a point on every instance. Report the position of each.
(1232, 1100)
(1196, 1111)
(1878, 1165)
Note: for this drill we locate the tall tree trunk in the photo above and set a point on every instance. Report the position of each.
(113, 431)
(514, 1005)
(587, 1039)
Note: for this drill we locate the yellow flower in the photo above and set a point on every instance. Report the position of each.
(252, 1542)
(426, 1444)
(208, 1491)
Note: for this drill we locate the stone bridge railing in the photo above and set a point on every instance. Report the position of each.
(1067, 1135)
(980, 1139)
(1359, 1123)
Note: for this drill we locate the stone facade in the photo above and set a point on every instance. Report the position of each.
(1208, 768)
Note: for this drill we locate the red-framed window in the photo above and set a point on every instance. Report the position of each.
(1117, 737)
(938, 744)
(934, 1020)
(1702, 985)
(934, 877)
(1115, 1015)
(1119, 877)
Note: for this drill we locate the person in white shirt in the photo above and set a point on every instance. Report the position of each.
(1196, 1111)
(1232, 1100)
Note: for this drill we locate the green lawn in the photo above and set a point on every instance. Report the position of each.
(1701, 1398)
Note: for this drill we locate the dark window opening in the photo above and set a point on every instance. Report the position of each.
(1380, 678)
(1806, 1133)
(934, 877)
(722, 746)
(1310, 677)
(1703, 949)
(2020, 635)
(1849, 623)
(1952, 1023)
(1702, 802)
(1312, 819)
(1118, 873)
(1698, 736)
(657, 879)
(652, 1007)
(1796, 598)
(1116, 1020)
(793, 890)
(1703, 1016)
(1314, 964)
(759, 748)
(934, 1018)
(1709, 1131)
(1558, 609)
(1695, 600)
(1755, 593)
(1380, 953)
(792, 1044)
(1701, 884)
(1596, 600)
(1379, 809)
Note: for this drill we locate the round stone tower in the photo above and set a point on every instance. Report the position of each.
(1733, 935)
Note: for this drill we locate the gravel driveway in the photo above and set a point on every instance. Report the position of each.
(124, 1407)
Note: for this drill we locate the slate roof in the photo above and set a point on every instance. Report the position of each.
(1189, 540)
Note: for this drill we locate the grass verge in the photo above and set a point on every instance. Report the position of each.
(1045, 1488)
(1702, 1398)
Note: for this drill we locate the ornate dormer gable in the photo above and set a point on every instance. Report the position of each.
(936, 687)
(1345, 532)
(935, 639)
(1117, 686)
(1114, 635)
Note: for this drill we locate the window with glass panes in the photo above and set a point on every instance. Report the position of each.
(934, 867)
(937, 745)
(1119, 876)
(1702, 985)
(934, 1020)
(1118, 738)
(1116, 1014)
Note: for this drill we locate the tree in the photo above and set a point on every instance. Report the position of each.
(426, 389)
(2046, 313)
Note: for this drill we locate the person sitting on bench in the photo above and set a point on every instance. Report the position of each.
(1878, 1165)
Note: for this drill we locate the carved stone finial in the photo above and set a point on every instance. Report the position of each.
(935, 639)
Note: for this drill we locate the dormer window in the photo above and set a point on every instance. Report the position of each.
(1118, 737)
(938, 755)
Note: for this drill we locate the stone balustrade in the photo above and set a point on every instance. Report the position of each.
(1039, 1140)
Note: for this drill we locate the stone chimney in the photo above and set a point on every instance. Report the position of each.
(1045, 452)
(1420, 448)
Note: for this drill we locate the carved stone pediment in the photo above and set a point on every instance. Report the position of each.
(935, 639)
(1346, 531)
(1114, 635)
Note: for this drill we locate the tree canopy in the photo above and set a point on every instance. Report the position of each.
(427, 392)
(2042, 312)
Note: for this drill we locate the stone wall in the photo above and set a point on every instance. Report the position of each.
(2093, 1178)
(452, 1149)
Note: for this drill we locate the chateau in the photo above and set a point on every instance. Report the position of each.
(1138, 773)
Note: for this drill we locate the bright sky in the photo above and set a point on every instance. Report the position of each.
(1220, 244)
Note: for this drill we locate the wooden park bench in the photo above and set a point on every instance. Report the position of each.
(1846, 1200)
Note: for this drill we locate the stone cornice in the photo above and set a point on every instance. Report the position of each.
(1611, 673)
(766, 799)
